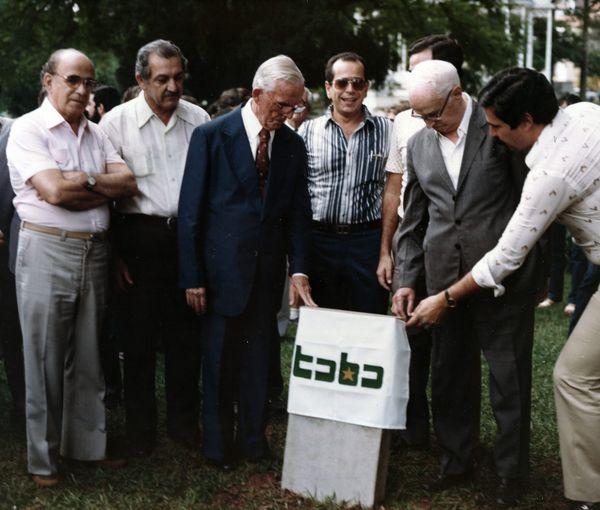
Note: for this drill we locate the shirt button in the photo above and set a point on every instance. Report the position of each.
(454, 198)
(457, 246)
(457, 222)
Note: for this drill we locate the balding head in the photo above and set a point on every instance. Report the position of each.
(56, 57)
(68, 77)
(436, 97)
(434, 78)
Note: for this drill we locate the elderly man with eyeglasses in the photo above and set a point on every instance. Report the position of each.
(347, 152)
(64, 172)
(463, 187)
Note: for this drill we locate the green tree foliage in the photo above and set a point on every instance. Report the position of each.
(225, 40)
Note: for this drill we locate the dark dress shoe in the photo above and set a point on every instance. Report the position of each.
(508, 491)
(448, 481)
(583, 505)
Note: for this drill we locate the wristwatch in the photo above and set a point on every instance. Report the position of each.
(91, 182)
(450, 301)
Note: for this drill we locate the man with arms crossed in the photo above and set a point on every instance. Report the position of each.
(64, 170)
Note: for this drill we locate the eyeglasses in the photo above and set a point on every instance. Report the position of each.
(357, 83)
(73, 81)
(435, 115)
(286, 109)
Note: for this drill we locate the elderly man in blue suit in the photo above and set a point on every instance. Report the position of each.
(243, 208)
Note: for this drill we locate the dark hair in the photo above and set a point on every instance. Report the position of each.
(515, 91)
(569, 98)
(347, 56)
(160, 47)
(131, 93)
(443, 47)
(107, 96)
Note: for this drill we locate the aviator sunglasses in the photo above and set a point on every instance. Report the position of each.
(357, 83)
(73, 81)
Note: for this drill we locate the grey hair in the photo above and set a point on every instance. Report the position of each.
(440, 76)
(160, 47)
(276, 68)
(52, 63)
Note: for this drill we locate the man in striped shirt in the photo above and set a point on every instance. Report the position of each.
(347, 150)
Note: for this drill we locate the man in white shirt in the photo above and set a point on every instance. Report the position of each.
(64, 170)
(563, 148)
(152, 133)
(459, 197)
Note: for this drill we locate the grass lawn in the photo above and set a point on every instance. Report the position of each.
(172, 478)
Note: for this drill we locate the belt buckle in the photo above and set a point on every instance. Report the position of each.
(342, 229)
(96, 236)
(171, 222)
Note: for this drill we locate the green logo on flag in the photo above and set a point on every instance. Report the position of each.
(348, 374)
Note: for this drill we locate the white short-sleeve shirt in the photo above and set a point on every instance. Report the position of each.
(43, 140)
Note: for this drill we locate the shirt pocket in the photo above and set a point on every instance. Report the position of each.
(61, 156)
(139, 161)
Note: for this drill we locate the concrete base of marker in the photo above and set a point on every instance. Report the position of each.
(327, 459)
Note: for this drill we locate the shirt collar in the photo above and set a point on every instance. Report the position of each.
(540, 147)
(251, 122)
(463, 127)
(144, 113)
(52, 118)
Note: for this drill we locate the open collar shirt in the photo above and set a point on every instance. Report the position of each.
(346, 176)
(155, 152)
(43, 140)
(563, 184)
(452, 152)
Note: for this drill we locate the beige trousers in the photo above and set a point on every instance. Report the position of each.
(577, 396)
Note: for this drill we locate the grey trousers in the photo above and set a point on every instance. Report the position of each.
(61, 293)
(577, 397)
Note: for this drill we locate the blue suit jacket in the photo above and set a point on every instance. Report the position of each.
(230, 239)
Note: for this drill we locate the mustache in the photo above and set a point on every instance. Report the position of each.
(171, 94)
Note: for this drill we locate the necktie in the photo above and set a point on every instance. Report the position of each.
(262, 159)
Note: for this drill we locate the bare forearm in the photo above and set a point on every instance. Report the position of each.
(389, 212)
(87, 203)
(464, 288)
(116, 185)
(389, 222)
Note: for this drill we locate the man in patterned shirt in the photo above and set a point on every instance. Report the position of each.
(347, 150)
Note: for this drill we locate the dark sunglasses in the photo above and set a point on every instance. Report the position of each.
(435, 115)
(357, 83)
(73, 81)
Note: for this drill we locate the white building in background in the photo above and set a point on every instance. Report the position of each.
(394, 92)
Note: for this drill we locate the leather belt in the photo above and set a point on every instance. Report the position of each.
(87, 236)
(347, 228)
(170, 222)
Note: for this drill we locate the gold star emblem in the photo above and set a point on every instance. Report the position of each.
(348, 374)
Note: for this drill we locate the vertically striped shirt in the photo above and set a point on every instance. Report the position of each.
(346, 177)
